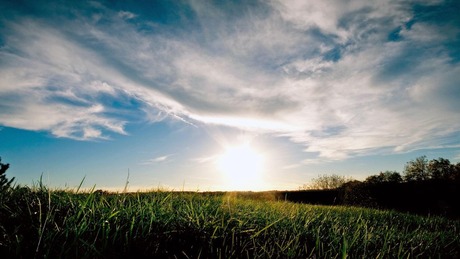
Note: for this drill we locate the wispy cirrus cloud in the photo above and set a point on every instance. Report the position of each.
(158, 159)
(126, 15)
(342, 79)
(51, 82)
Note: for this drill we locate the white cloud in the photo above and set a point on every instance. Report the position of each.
(206, 159)
(345, 20)
(42, 64)
(158, 159)
(126, 15)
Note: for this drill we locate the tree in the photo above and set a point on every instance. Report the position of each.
(456, 173)
(441, 169)
(416, 170)
(327, 182)
(384, 177)
(5, 184)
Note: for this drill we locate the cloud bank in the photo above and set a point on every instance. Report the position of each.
(343, 79)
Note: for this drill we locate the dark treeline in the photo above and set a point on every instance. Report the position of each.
(425, 187)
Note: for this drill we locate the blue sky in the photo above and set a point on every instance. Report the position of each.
(163, 88)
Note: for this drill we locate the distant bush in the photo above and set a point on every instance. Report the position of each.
(327, 182)
(442, 169)
(421, 169)
(425, 187)
(356, 193)
(5, 184)
(384, 177)
(416, 170)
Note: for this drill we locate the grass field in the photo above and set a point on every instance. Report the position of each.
(55, 224)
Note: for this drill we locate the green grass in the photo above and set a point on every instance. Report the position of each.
(55, 224)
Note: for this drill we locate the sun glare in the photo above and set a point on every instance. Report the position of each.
(242, 168)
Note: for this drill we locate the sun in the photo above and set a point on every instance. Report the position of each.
(242, 167)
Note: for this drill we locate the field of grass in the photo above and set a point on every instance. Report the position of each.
(52, 224)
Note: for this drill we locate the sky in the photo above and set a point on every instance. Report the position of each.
(156, 94)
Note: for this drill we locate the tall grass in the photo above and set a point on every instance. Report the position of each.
(50, 224)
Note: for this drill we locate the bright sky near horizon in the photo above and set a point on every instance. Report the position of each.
(180, 94)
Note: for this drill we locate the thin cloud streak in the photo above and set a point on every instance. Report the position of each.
(158, 159)
(328, 77)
